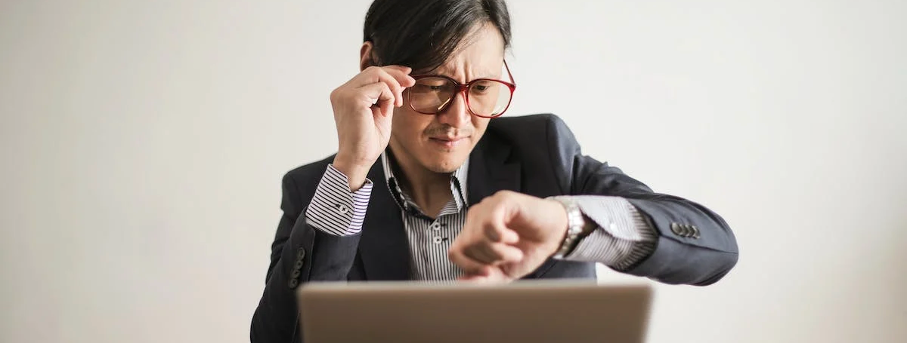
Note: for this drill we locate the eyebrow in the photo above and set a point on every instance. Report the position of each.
(436, 73)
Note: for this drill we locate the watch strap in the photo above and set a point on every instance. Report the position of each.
(574, 228)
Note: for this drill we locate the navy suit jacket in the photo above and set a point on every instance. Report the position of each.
(535, 155)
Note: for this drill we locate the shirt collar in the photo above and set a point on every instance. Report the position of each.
(458, 183)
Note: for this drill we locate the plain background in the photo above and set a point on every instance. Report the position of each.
(143, 144)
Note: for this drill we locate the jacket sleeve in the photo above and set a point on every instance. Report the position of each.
(694, 245)
(300, 254)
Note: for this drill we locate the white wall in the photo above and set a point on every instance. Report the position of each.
(143, 142)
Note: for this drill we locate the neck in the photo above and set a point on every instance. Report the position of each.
(429, 190)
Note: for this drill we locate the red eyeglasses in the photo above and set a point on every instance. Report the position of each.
(487, 98)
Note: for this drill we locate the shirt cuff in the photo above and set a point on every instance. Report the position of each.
(622, 238)
(334, 209)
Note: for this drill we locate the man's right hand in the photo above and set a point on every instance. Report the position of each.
(363, 109)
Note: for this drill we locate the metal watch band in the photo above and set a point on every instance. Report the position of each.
(575, 226)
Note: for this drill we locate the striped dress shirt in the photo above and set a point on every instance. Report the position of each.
(621, 238)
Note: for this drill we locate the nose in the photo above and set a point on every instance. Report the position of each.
(456, 115)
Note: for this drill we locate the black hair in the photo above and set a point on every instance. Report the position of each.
(422, 34)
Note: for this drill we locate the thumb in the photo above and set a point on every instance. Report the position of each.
(379, 97)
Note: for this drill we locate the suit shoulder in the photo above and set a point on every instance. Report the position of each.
(524, 122)
(310, 173)
(535, 129)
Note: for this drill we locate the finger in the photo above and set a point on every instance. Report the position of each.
(376, 92)
(378, 95)
(493, 253)
(472, 278)
(468, 265)
(486, 272)
(404, 80)
(376, 74)
(479, 254)
(507, 253)
(475, 279)
(401, 74)
(393, 83)
(493, 277)
(379, 111)
(497, 232)
(404, 69)
(387, 106)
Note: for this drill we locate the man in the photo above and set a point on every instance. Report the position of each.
(428, 184)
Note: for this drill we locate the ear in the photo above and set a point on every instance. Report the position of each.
(365, 56)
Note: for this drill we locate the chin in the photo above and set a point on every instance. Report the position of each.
(444, 160)
(445, 163)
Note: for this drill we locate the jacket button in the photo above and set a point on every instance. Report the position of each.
(298, 265)
(300, 253)
(293, 282)
(676, 228)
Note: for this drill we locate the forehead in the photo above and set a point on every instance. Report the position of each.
(481, 55)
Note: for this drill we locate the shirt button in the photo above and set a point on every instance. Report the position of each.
(436, 226)
(342, 209)
(437, 240)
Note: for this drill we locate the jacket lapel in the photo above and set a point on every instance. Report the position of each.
(384, 247)
(494, 173)
(489, 170)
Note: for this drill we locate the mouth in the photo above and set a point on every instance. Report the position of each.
(447, 142)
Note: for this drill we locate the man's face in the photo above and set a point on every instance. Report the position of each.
(441, 143)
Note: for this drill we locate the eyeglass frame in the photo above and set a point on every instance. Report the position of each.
(462, 90)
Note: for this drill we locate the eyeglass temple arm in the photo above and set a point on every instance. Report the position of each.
(511, 76)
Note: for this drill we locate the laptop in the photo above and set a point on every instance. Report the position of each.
(524, 311)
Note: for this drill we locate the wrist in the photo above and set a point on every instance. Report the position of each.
(576, 226)
(356, 173)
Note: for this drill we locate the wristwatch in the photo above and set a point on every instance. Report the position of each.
(575, 226)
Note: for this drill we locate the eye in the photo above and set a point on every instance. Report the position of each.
(481, 87)
(431, 85)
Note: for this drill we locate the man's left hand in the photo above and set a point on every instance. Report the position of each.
(507, 236)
